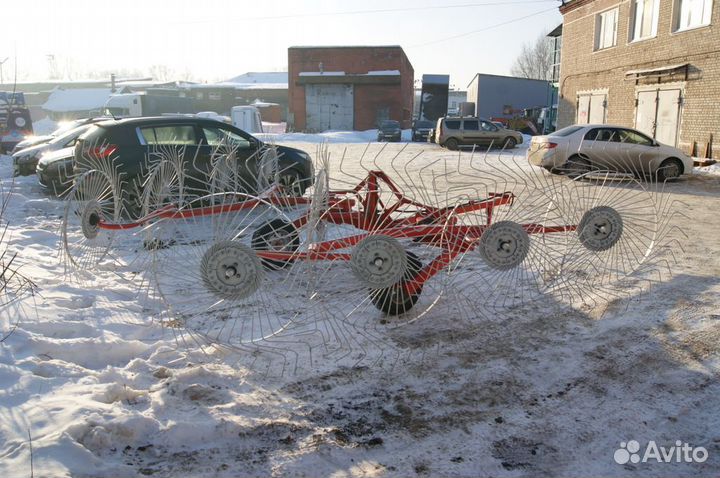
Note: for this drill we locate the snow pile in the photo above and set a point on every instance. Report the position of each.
(326, 137)
(44, 126)
(713, 169)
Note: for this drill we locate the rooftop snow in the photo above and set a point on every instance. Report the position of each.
(77, 99)
(384, 73)
(280, 77)
(322, 73)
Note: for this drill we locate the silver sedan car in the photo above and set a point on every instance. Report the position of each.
(578, 149)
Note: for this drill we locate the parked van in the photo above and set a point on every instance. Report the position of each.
(451, 132)
(247, 118)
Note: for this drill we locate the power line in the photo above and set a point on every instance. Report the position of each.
(490, 27)
(369, 12)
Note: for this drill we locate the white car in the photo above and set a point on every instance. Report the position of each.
(578, 149)
(25, 161)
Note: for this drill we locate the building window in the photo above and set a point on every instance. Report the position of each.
(214, 96)
(557, 49)
(606, 29)
(644, 19)
(692, 14)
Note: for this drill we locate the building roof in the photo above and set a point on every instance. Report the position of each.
(252, 77)
(272, 80)
(436, 79)
(78, 99)
(557, 32)
(506, 77)
(569, 5)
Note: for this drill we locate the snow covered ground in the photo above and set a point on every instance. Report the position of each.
(92, 386)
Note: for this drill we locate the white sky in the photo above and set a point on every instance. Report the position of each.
(217, 39)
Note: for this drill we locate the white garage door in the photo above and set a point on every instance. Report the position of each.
(658, 114)
(329, 107)
(591, 109)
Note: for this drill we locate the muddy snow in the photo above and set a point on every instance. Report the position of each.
(93, 383)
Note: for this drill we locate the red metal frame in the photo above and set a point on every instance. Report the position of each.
(363, 208)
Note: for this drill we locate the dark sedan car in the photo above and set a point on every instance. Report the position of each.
(133, 143)
(389, 130)
(421, 130)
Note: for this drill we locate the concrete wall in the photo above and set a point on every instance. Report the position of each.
(583, 69)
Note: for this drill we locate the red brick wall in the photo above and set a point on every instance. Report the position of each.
(354, 60)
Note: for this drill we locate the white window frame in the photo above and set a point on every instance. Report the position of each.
(687, 12)
(601, 32)
(637, 17)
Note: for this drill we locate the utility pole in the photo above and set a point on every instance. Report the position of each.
(2, 80)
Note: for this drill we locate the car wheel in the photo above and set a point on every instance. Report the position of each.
(395, 300)
(553, 170)
(451, 144)
(277, 235)
(577, 166)
(292, 183)
(669, 170)
(510, 143)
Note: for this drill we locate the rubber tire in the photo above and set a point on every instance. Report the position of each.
(259, 241)
(577, 166)
(297, 178)
(394, 300)
(553, 170)
(510, 143)
(661, 172)
(451, 144)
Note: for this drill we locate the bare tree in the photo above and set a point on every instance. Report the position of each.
(535, 60)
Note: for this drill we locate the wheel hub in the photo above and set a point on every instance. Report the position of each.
(90, 219)
(231, 270)
(379, 261)
(600, 228)
(504, 245)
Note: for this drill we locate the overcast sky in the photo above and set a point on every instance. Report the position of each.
(212, 40)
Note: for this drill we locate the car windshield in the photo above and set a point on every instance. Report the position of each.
(567, 131)
(70, 134)
(65, 126)
(390, 124)
(423, 124)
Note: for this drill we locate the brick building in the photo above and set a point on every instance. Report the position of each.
(348, 87)
(649, 64)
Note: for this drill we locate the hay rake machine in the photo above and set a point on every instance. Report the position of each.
(274, 269)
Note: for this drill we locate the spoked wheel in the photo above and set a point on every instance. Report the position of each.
(91, 202)
(617, 229)
(511, 256)
(213, 278)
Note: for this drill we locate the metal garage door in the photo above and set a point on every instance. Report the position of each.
(591, 109)
(329, 107)
(658, 114)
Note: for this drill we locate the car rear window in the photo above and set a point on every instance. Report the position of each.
(567, 131)
(452, 124)
(175, 134)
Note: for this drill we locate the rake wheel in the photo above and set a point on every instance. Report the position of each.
(212, 277)
(93, 200)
